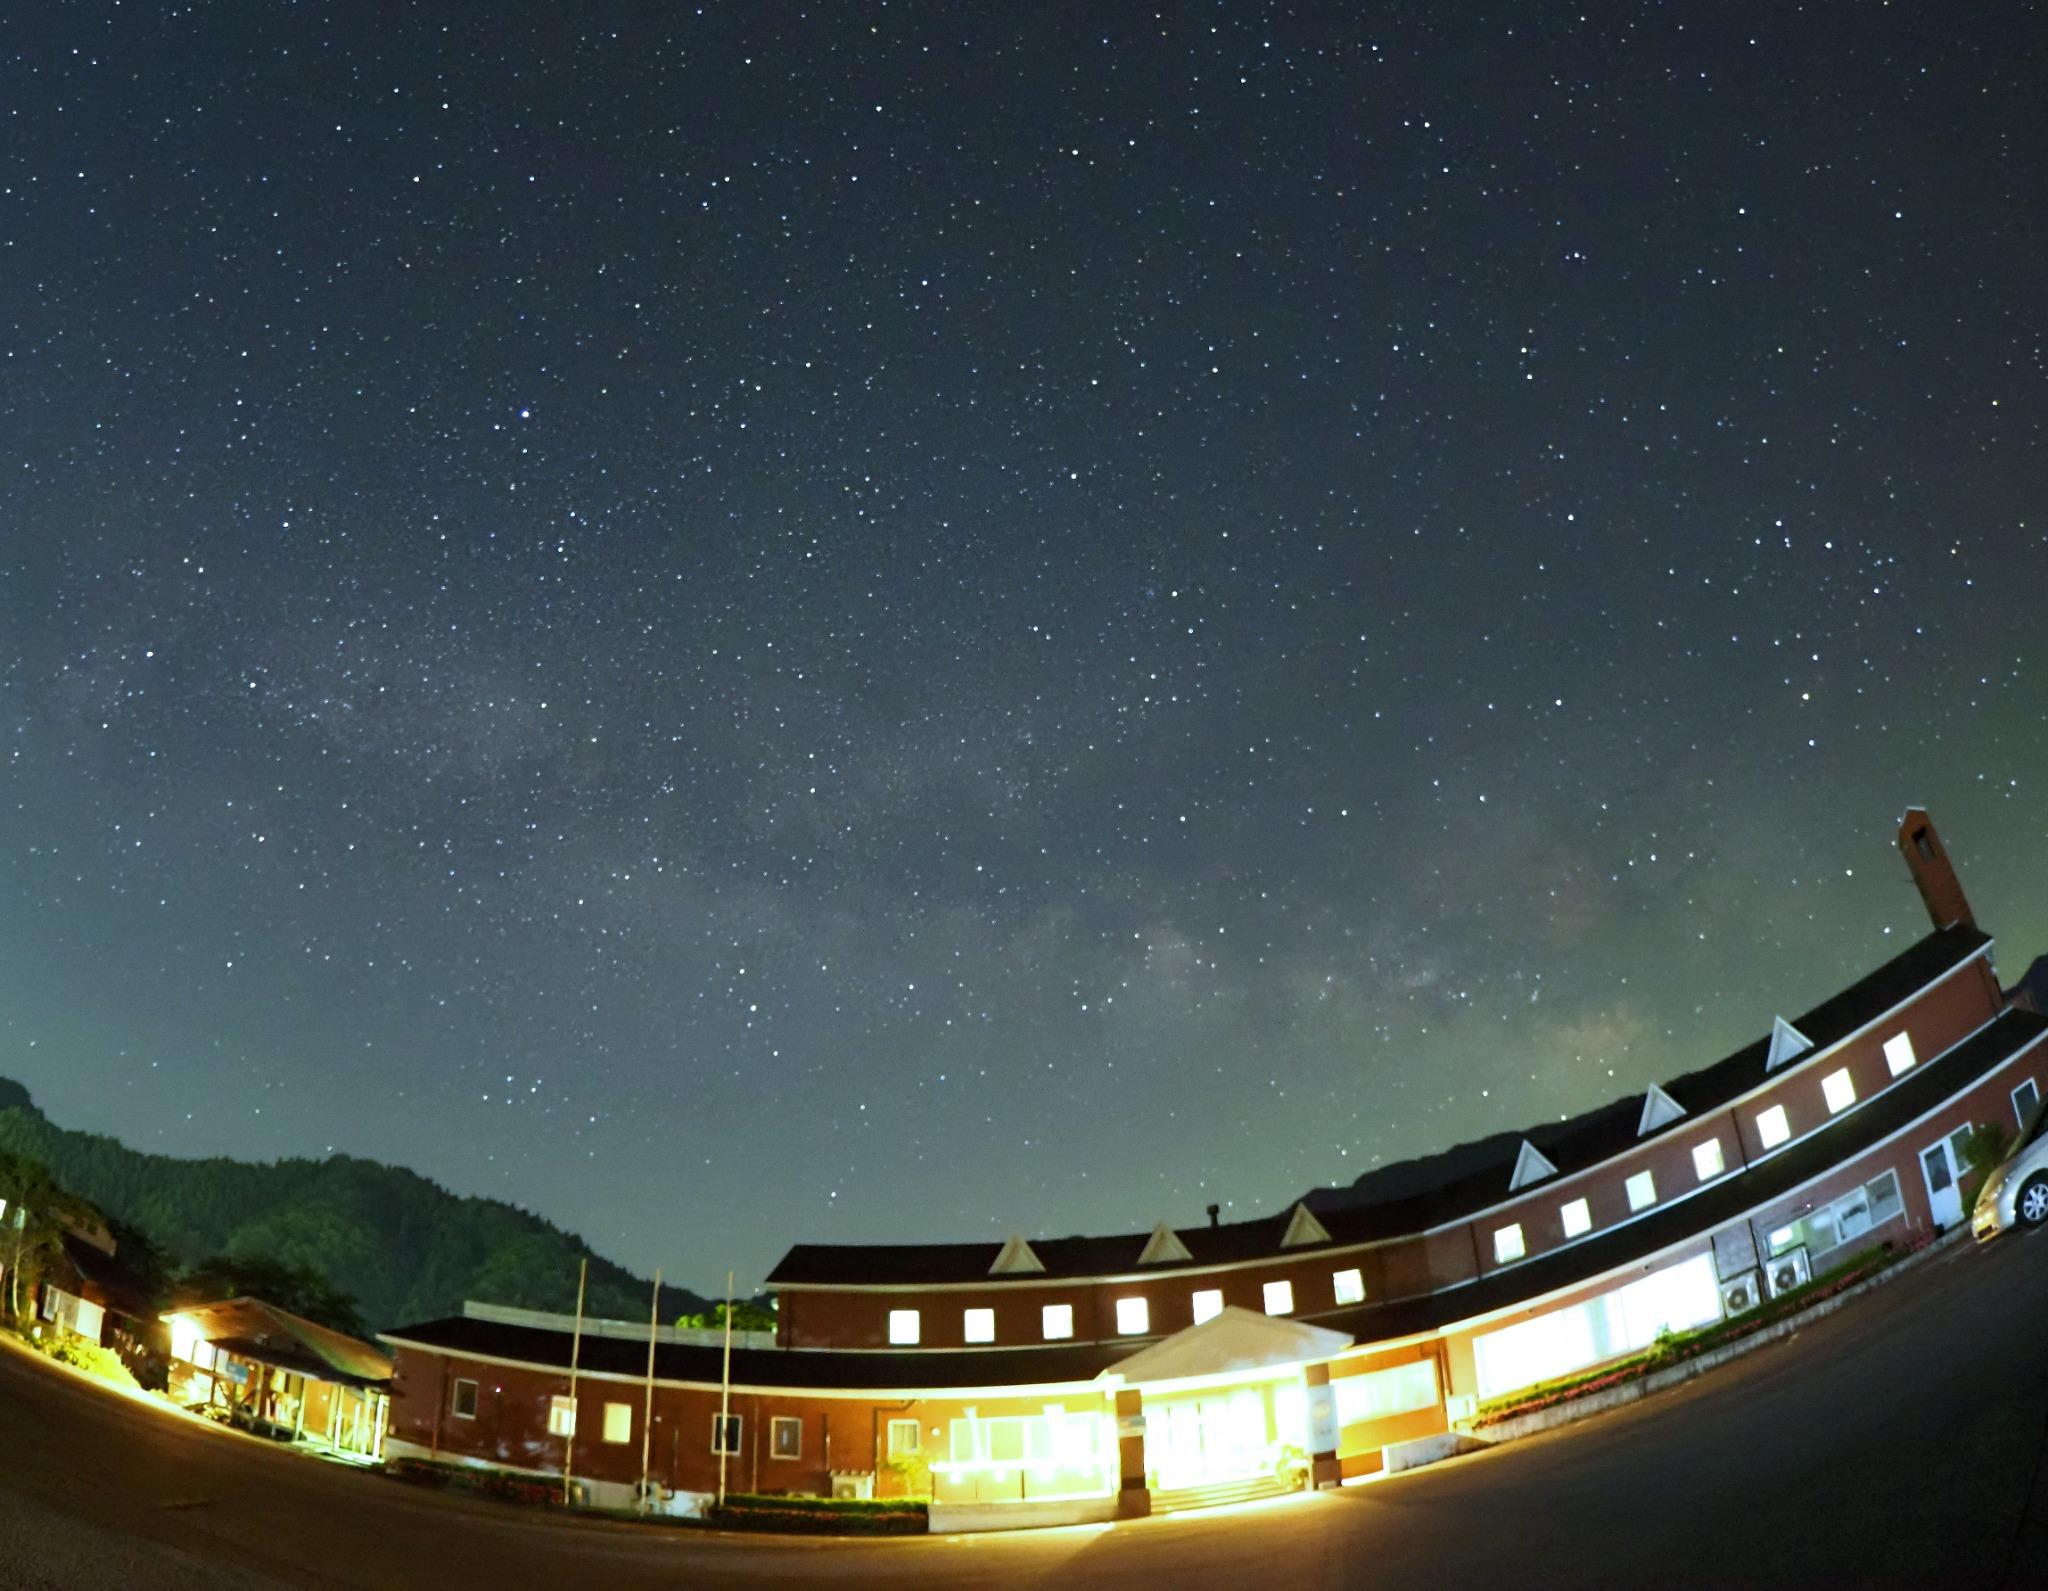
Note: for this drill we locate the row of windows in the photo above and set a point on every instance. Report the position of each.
(1773, 1127)
(785, 1431)
(1133, 1315)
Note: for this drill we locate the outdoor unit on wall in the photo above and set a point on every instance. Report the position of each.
(1741, 1293)
(1788, 1270)
(848, 1487)
(1464, 1406)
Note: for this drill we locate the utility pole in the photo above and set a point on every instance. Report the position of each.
(575, 1360)
(725, 1392)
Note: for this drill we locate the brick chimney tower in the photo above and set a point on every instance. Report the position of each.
(1940, 890)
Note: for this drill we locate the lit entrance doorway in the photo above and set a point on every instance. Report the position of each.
(1942, 1164)
(1225, 1435)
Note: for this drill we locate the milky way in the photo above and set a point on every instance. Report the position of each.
(914, 622)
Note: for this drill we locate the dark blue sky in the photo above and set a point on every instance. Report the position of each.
(904, 622)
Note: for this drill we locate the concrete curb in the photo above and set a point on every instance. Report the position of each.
(1575, 1409)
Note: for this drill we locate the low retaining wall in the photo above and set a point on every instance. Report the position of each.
(1397, 1456)
(1593, 1403)
(952, 1519)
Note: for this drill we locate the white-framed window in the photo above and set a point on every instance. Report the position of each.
(1507, 1243)
(1772, 1128)
(725, 1434)
(785, 1437)
(1838, 1088)
(462, 1400)
(1708, 1160)
(1133, 1317)
(979, 1325)
(903, 1328)
(1898, 1052)
(561, 1416)
(2024, 1099)
(1577, 1217)
(618, 1422)
(1348, 1286)
(1380, 1394)
(1056, 1321)
(1641, 1189)
(1279, 1298)
(905, 1438)
(1208, 1302)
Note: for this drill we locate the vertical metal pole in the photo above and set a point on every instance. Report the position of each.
(575, 1361)
(725, 1391)
(647, 1415)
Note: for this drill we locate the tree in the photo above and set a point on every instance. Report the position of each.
(33, 1209)
(748, 1314)
(297, 1288)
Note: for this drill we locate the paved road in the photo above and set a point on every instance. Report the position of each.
(1896, 1443)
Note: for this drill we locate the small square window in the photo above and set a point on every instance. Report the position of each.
(785, 1437)
(1839, 1090)
(1279, 1298)
(725, 1434)
(1782, 1238)
(1772, 1128)
(561, 1416)
(1898, 1052)
(1642, 1190)
(1507, 1244)
(618, 1422)
(1349, 1287)
(2024, 1099)
(904, 1438)
(1208, 1303)
(1057, 1322)
(1133, 1316)
(1708, 1160)
(903, 1328)
(463, 1403)
(1577, 1218)
(979, 1325)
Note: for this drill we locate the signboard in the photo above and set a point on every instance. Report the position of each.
(1322, 1419)
(1128, 1425)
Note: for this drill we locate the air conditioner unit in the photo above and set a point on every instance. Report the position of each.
(1788, 1270)
(848, 1488)
(1464, 1406)
(1742, 1293)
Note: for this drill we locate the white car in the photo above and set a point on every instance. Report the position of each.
(2016, 1192)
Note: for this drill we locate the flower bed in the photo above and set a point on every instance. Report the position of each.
(883, 1516)
(531, 1490)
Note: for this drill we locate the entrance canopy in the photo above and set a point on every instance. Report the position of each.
(1238, 1342)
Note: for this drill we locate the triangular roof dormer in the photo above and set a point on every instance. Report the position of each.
(1164, 1247)
(1787, 1044)
(1302, 1229)
(1531, 1165)
(1016, 1259)
(1659, 1110)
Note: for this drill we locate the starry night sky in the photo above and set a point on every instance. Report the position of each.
(893, 623)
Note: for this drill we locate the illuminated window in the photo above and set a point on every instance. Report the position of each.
(1279, 1298)
(785, 1437)
(1208, 1303)
(1898, 1052)
(1839, 1090)
(1577, 1218)
(561, 1416)
(1772, 1128)
(462, 1404)
(1782, 1238)
(980, 1325)
(1349, 1287)
(902, 1328)
(1507, 1244)
(903, 1438)
(1057, 1321)
(1707, 1159)
(1132, 1316)
(1642, 1190)
(618, 1422)
(725, 1434)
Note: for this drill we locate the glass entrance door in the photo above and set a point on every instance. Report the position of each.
(1942, 1164)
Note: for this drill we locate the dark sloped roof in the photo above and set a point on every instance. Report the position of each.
(1922, 1089)
(795, 1368)
(1406, 1198)
(253, 1329)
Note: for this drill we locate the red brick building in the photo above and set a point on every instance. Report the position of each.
(1083, 1377)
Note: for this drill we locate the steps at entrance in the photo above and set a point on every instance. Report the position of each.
(1249, 1490)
